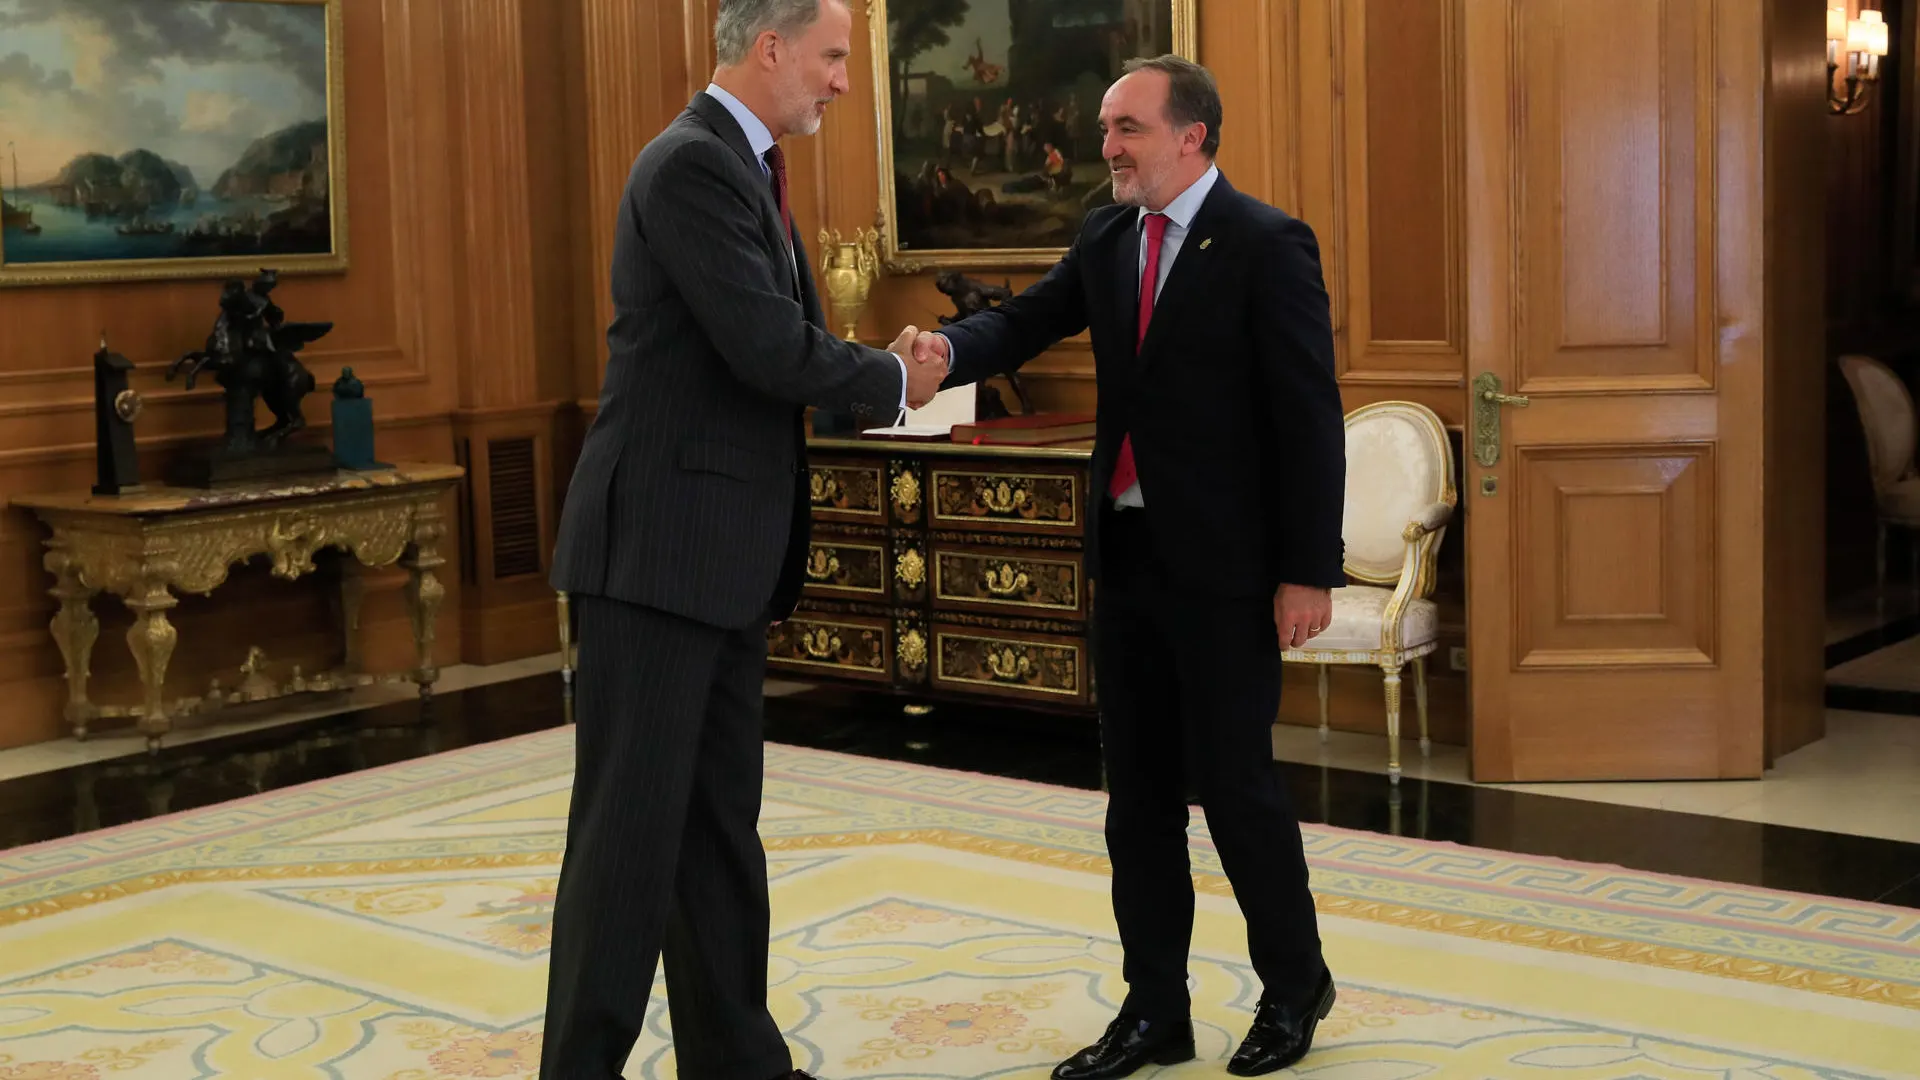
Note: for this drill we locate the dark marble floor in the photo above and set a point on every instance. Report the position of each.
(1873, 664)
(986, 739)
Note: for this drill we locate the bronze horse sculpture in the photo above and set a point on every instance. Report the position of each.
(253, 354)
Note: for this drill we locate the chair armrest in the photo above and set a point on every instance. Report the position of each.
(1427, 521)
(1419, 535)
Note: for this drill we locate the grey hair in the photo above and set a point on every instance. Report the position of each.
(742, 21)
(1192, 97)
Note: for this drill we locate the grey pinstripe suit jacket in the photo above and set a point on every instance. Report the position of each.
(689, 495)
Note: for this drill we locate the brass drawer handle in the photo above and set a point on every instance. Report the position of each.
(1003, 498)
(823, 485)
(1009, 665)
(1004, 580)
(822, 564)
(820, 644)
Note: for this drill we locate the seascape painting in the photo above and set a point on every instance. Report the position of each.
(168, 138)
(989, 120)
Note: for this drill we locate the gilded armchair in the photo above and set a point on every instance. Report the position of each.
(1888, 418)
(1400, 496)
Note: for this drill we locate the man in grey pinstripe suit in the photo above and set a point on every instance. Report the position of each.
(684, 535)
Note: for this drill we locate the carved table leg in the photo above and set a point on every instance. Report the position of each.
(424, 591)
(151, 639)
(75, 629)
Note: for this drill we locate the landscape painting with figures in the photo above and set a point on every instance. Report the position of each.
(990, 120)
(168, 138)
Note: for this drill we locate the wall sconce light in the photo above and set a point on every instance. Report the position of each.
(1864, 40)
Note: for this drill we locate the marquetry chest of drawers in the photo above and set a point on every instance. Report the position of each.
(946, 571)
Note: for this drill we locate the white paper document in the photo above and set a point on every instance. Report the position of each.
(948, 407)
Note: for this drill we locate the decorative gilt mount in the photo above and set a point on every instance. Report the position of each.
(910, 650)
(906, 494)
(911, 568)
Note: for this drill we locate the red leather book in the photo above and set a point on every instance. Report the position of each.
(1032, 430)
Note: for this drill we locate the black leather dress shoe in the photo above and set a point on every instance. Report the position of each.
(1128, 1044)
(1282, 1032)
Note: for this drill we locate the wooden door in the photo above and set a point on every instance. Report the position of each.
(1615, 278)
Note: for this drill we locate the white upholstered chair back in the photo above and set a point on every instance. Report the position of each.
(1399, 463)
(1887, 414)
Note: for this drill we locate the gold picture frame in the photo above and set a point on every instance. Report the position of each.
(920, 237)
(247, 219)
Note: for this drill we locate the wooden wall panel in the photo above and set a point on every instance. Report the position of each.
(504, 79)
(1796, 258)
(1398, 204)
(493, 203)
(1377, 152)
(1411, 147)
(633, 62)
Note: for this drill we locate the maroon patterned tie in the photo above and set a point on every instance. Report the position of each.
(777, 161)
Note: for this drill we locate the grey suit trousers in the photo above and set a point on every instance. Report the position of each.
(663, 857)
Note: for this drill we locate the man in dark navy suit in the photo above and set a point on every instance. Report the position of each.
(684, 534)
(1220, 466)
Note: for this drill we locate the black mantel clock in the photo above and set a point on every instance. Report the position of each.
(115, 407)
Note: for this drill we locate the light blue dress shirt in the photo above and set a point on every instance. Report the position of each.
(760, 140)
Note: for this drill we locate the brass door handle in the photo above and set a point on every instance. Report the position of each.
(1487, 400)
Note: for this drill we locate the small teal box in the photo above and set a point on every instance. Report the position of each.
(353, 425)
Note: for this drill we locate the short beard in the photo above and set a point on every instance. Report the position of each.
(1144, 184)
(800, 109)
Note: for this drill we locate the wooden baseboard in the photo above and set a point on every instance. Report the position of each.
(511, 631)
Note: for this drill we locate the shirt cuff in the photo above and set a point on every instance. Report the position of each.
(953, 361)
(901, 418)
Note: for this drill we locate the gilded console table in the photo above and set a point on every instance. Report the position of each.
(946, 571)
(146, 547)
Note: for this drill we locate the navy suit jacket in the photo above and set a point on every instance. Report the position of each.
(1238, 431)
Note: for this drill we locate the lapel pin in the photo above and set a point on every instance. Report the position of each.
(1204, 243)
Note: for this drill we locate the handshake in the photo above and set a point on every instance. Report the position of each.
(925, 354)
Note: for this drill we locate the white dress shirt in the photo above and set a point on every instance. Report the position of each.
(1179, 214)
(760, 140)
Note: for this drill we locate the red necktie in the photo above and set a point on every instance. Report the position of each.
(1123, 471)
(777, 162)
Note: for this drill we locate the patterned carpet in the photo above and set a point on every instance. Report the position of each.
(393, 925)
